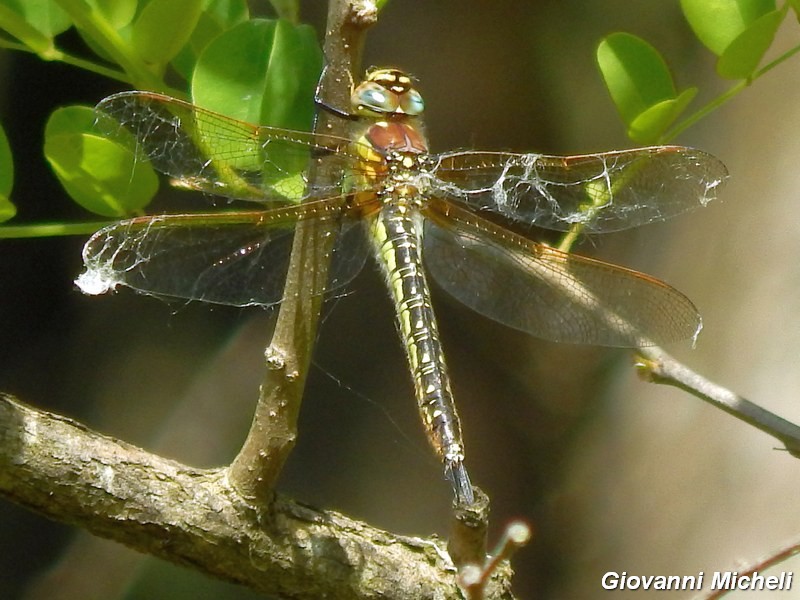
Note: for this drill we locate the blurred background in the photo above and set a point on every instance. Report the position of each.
(613, 473)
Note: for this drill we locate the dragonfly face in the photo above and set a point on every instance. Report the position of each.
(422, 213)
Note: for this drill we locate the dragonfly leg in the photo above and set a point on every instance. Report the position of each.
(336, 112)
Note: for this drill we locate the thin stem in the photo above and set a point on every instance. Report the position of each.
(474, 578)
(706, 110)
(724, 97)
(56, 55)
(569, 238)
(782, 554)
(102, 33)
(659, 367)
(90, 66)
(38, 230)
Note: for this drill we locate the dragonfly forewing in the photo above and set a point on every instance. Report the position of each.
(602, 192)
(238, 258)
(548, 293)
(212, 153)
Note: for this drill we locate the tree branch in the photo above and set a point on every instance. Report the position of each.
(256, 468)
(195, 518)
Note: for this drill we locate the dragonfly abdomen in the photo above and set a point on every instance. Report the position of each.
(396, 238)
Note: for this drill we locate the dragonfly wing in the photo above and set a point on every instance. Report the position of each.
(206, 151)
(238, 259)
(602, 192)
(548, 293)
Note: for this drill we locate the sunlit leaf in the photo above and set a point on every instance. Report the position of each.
(651, 124)
(117, 13)
(102, 176)
(743, 55)
(635, 74)
(217, 16)
(45, 16)
(261, 72)
(163, 28)
(716, 23)
(7, 209)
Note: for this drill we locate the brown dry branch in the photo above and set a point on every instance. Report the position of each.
(273, 432)
(194, 517)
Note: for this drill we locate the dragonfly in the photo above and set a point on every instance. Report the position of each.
(463, 218)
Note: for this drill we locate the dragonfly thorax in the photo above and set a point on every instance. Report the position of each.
(408, 175)
(393, 154)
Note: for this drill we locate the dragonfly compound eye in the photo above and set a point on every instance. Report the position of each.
(411, 103)
(371, 99)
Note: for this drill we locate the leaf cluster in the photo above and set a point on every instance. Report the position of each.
(738, 32)
(253, 69)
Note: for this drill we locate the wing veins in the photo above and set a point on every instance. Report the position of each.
(571, 298)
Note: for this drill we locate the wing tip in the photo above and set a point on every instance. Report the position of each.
(96, 280)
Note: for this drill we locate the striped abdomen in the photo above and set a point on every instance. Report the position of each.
(396, 235)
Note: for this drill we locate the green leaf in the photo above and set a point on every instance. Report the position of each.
(163, 28)
(743, 55)
(7, 209)
(650, 125)
(795, 6)
(635, 74)
(117, 13)
(716, 23)
(6, 165)
(70, 119)
(217, 16)
(19, 27)
(261, 72)
(44, 16)
(102, 176)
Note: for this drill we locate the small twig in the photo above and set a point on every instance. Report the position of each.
(474, 578)
(468, 528)
(777, 557)
(657, 366)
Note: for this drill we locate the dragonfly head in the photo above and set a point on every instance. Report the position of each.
(386, 93)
